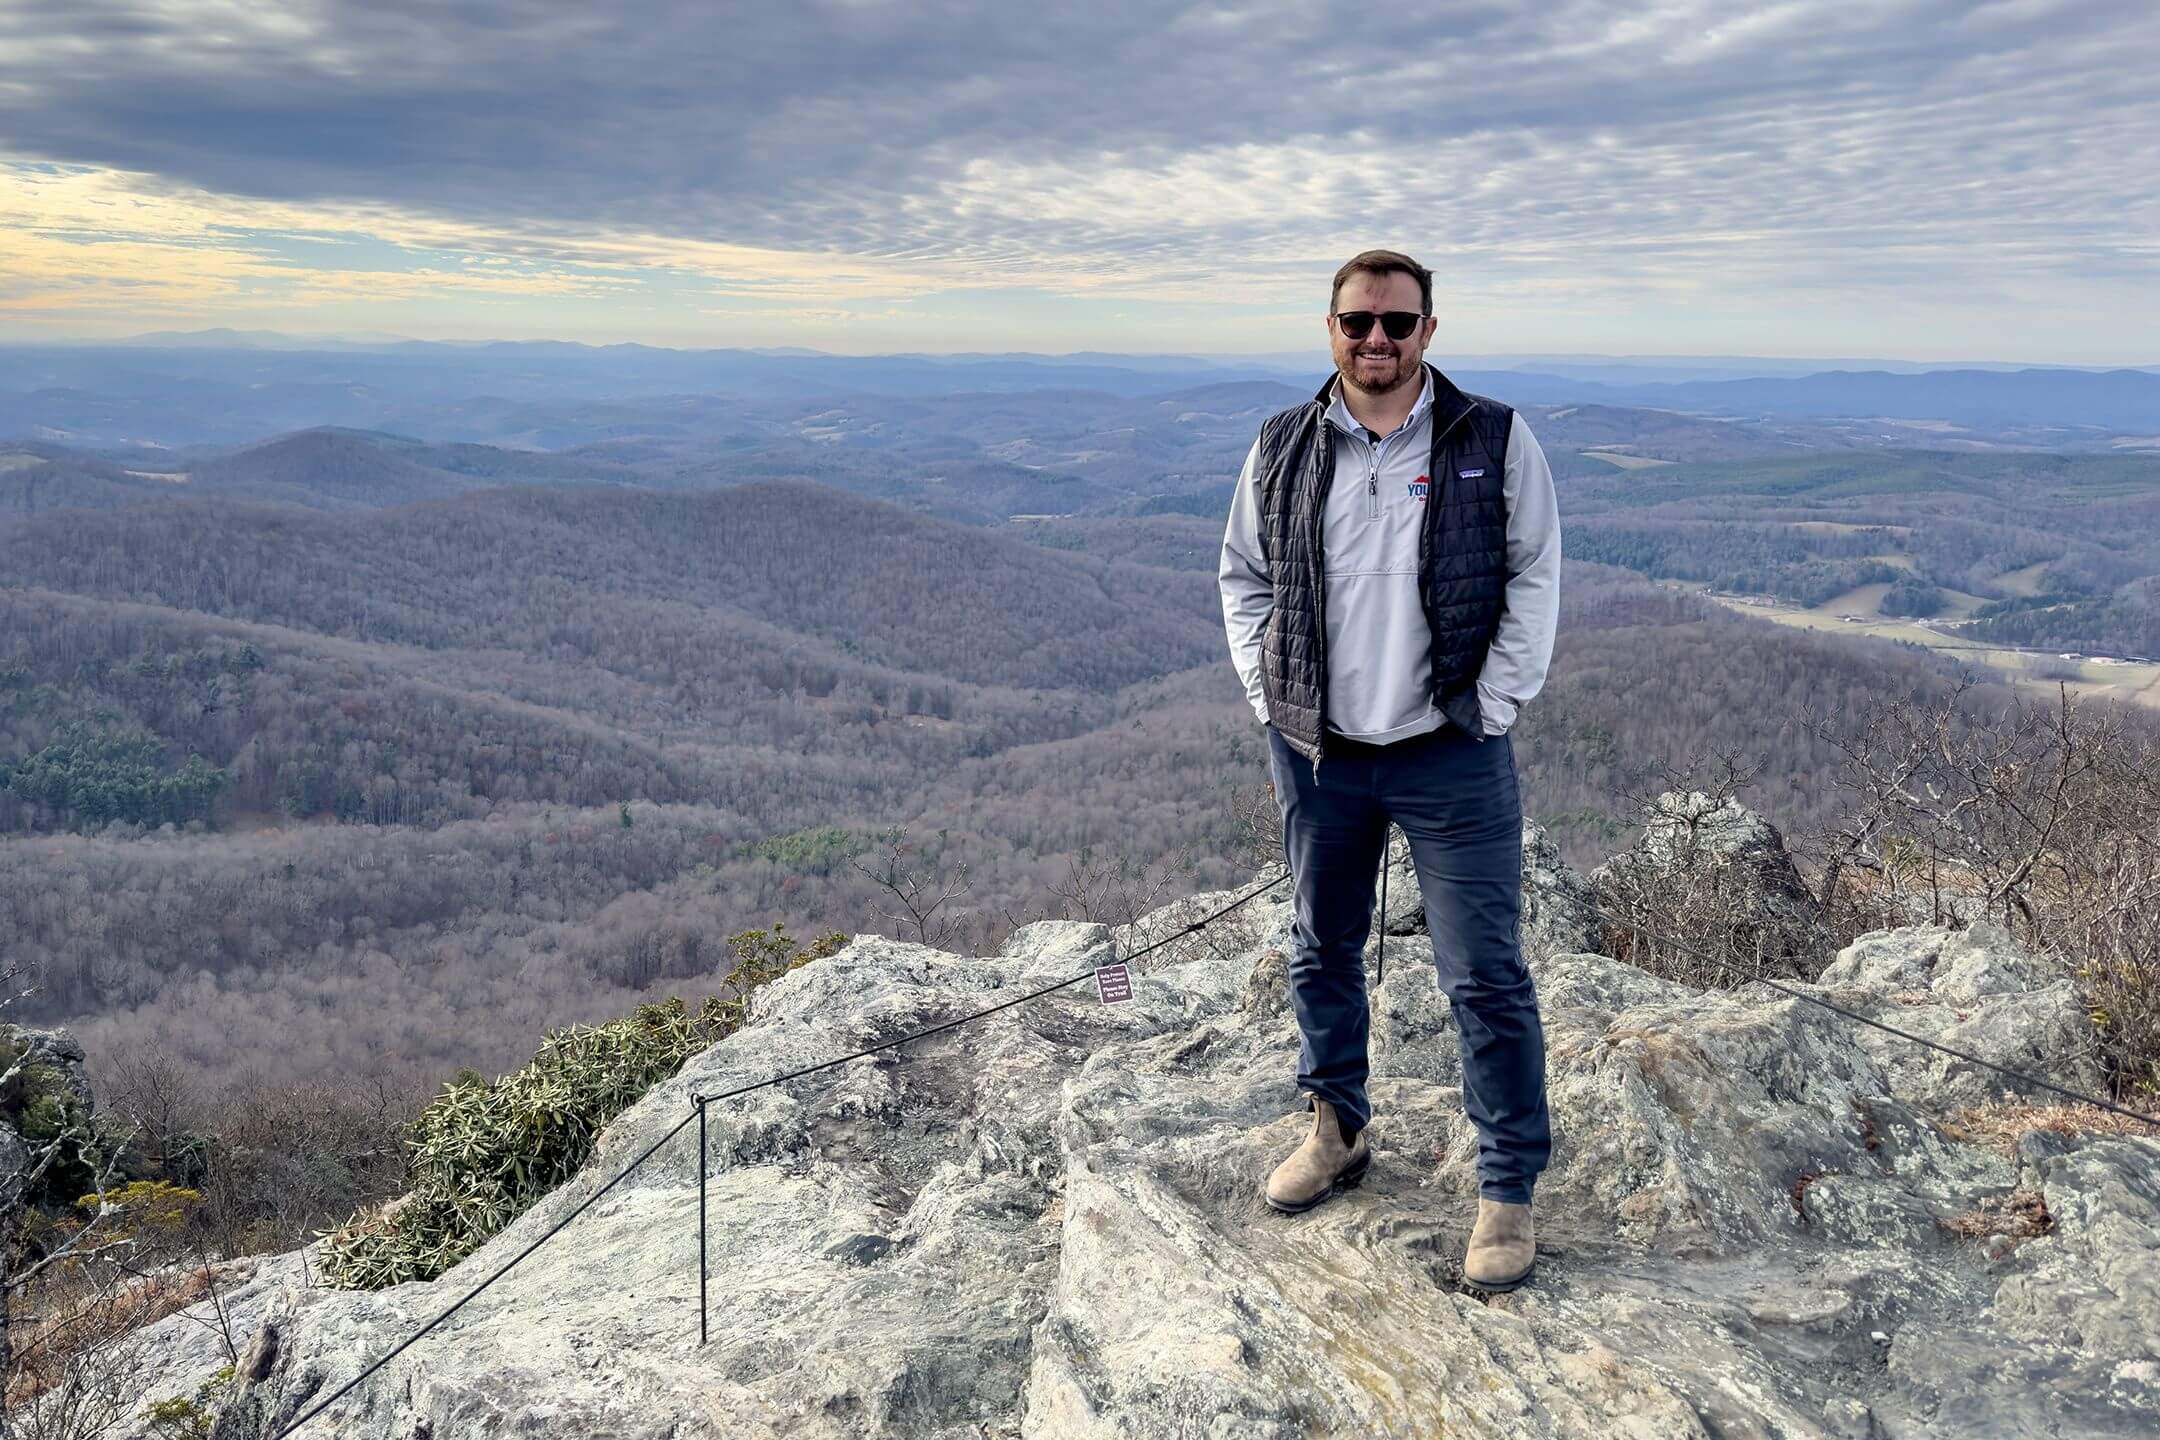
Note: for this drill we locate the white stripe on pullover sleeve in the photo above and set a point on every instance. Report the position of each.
(1247, 592)
(1516, 661)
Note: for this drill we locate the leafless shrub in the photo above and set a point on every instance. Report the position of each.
(1225, 937)
(2044, 815)
(921, 885)
(288, 1159)
(1117, 889)
(85, 1253)
(75, 1375)
(1137, 900)
(273, 1160)
(1256, 822)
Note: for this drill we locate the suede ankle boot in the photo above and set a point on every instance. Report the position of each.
(1503, 1246)
(1324, 1162)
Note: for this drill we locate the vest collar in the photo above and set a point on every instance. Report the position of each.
(1440, 393)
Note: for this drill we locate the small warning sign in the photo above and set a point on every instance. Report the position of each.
(1113, 983)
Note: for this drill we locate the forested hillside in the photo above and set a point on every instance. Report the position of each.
(357, 744)
(1953, 532)
(2126, 619)
(498, 628)
(420, 782)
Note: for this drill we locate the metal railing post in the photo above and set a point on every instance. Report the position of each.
(701, 1334)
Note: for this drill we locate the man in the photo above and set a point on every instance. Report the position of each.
(1390, 583)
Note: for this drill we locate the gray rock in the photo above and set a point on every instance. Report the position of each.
(58, 1053)
(1869, 1210)
(1976, 990)
(1048, 1225)
(250, 1291)
(1728, 866)
(1557, 918)
(1405, 913)
(2092, 1284)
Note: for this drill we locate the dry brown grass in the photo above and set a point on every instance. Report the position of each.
(73, 1330)
(1999, 1123)
(2021, 1215)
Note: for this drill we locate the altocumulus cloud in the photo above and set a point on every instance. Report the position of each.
(1555, 152)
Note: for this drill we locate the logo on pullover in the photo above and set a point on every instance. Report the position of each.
(1418, 488)
(1471, 474)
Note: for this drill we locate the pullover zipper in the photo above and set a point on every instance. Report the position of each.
(1372, 496)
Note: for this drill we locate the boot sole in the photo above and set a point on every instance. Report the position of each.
(1501, 1287)
(1348, 1180)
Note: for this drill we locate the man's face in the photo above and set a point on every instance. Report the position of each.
(1377, 364)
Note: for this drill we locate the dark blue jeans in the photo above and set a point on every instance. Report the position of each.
(1458, 802)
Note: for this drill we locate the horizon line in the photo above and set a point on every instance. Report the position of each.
(153, 340)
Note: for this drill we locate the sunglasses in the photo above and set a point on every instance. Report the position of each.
(1357, 324)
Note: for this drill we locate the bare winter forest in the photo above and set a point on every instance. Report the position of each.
(345, 754)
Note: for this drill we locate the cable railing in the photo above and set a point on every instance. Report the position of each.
(699, 1105)
(1108, 977)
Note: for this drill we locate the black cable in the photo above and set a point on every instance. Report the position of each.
(994, 1009)
(1380, 965)
(347, 1387)
(1952, 1050)
(700, 1102)
(1759, 978)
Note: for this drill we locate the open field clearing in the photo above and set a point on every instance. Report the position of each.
(2023, 582)
(1840, 527)
(1866, 600)
(1624, 462)
(2040, 669)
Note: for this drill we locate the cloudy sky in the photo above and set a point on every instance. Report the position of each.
(1900, 178)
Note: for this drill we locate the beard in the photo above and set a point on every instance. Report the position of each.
(1374, 377)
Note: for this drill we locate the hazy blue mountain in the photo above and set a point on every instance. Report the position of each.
(2115, 400)
(551, 395)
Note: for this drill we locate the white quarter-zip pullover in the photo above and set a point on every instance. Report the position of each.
(1379, 647)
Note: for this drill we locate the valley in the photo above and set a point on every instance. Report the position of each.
(410, 742)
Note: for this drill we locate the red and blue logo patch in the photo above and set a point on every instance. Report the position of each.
(1418, 487)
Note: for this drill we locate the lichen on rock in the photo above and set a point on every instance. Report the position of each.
(1049, 1224)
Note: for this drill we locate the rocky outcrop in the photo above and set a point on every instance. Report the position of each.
(47, 1091)
(1049, 1225)
(1975, 990)
(57, 1059)
(1716, 875)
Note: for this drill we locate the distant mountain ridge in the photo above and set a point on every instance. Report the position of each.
(504, 565)
(1553, 362)
(2109, 399)
(196, 391)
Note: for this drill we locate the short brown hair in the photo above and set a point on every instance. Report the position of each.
(1383, 262)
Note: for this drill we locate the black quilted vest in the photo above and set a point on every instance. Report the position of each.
(1462, 556)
